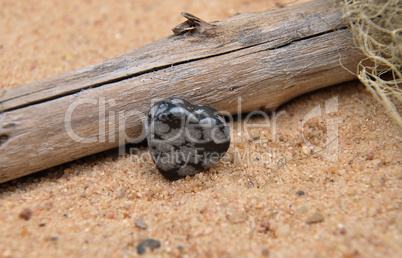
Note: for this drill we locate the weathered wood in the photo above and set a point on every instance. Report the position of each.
(265, 58)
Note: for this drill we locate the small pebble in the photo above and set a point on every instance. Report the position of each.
(370, 155)
(240, 146)
(236, 215)
(265, 225)
(377, 163)
(342, 172)
(265, 252)
(306, 150)
(140, 223)
(341, 229)
(282, 230)
(47, 205)
(288, 156)
(315, 218)
(300, 192)
(26, 214)
(303, 209)
(24, 232)
(121, 192)
(150, 243)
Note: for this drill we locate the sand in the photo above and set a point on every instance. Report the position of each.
(328, 185)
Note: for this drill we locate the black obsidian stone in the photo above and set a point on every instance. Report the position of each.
(185, 139)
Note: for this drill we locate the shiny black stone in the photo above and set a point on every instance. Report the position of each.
(185, 139)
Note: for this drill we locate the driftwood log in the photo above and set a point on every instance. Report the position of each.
(264, 58)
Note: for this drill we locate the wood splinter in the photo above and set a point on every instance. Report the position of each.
(193, 24)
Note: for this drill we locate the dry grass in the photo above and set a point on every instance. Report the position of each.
(377, 31)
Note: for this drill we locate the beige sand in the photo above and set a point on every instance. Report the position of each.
(246, 205)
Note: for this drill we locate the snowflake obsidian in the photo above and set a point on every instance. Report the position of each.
(185, 139)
